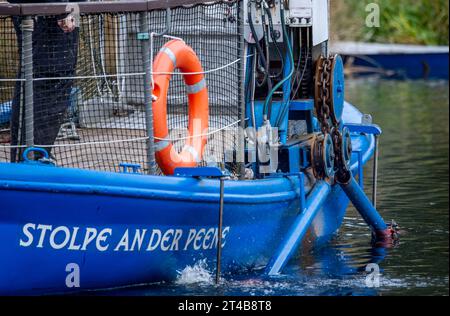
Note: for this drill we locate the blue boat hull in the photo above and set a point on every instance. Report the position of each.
(123, 229)
(408, 66)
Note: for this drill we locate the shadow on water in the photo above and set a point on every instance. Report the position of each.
(413, 190)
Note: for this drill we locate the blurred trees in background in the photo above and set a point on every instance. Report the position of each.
(401, 21)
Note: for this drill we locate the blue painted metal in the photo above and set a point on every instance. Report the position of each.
(256, 216)
(125, 167)
(315, 124)
(5, 112)
(411, 66)
(298, 229)
(304, 158)
(289, 159)
(256, 213)
(200, 172)
(301, 178)
(26, 155)
(363, 205)
(364, 128)
(302, 105)
(338, 86)
(294, 158)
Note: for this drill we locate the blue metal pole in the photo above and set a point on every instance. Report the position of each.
(299, 228)
(364, 206)
(301, 180)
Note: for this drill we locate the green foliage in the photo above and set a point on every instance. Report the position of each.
(401, 21)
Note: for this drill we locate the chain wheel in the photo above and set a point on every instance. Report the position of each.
(322, 156)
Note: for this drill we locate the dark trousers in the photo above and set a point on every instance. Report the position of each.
(54, 56)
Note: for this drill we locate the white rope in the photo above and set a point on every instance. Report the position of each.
(92, 76)
(133, 74)
(198, 135)
(122, 140)
(199, 72)
(79, 144)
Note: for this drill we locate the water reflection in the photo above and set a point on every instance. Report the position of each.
(413, 180)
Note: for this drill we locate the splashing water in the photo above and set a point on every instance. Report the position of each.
(198, 273)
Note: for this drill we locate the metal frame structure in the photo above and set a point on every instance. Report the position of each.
(141, 8)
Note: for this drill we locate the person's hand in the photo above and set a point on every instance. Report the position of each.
(67, 24)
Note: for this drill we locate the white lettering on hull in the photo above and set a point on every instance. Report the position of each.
(125, 240)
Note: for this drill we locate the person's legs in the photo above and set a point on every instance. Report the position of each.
(54, 55)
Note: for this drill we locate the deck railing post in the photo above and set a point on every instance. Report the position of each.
(375, 172)
(219, 232)
(148, 91)
(27, 71)
(240, 155)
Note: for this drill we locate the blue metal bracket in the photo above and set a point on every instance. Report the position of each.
(301, 184)
(373, 129)
(45, 160)
(293, 157)
(376, 131)
(299, 228)
(129, 166)
(364, 206)
(302, 105)
(201, 172)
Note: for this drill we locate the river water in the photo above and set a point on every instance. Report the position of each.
(413, 191)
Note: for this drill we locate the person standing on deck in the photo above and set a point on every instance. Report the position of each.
(55, 48)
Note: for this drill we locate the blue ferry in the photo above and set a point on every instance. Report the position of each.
(66, 229)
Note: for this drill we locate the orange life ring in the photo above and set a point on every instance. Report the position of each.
(176, 54)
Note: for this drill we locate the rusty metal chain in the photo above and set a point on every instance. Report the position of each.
(323, 103)
(323, 107)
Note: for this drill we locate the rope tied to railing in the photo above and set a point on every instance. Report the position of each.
(137, 139)
(132, 74)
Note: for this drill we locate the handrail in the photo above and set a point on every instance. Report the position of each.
(12, 9)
